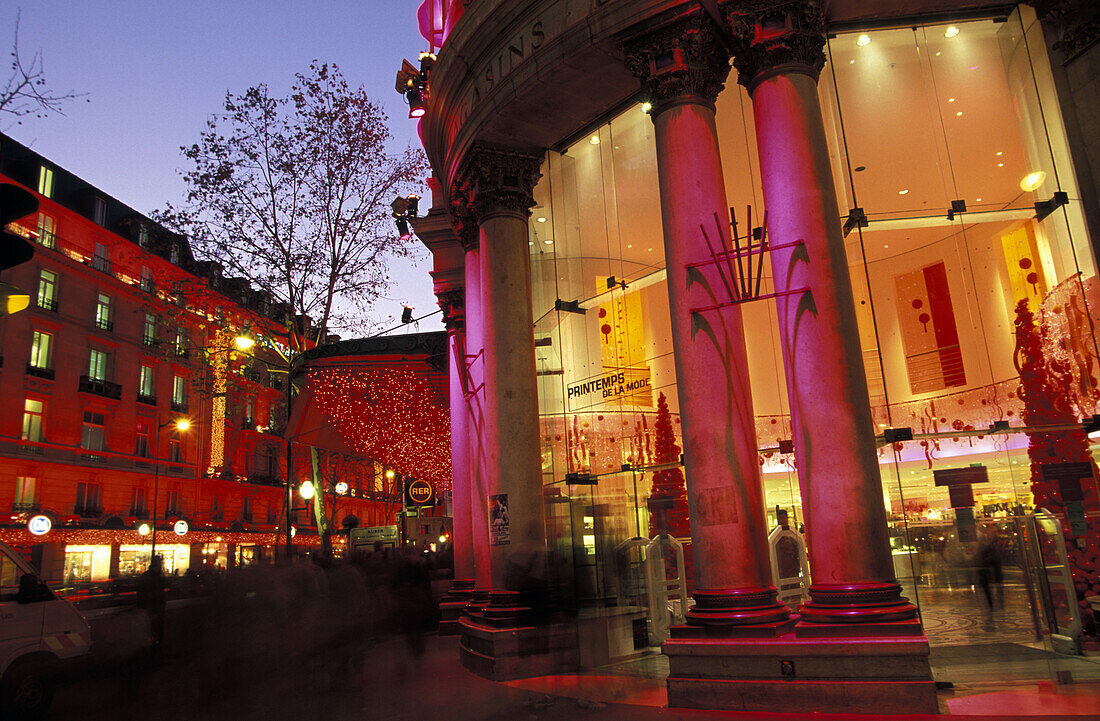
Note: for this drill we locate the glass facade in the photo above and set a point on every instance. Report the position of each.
(975, 287)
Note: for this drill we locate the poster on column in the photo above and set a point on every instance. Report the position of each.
(500, 531)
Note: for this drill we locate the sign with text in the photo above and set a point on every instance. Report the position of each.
(419, 493)
(373, 534)
(500, 524)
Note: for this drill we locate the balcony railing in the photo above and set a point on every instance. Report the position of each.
(179, 406)
(104, 324)
(100, 387)
(147, 400)
(23, 507)
(39, 372)
(47, 239)
(100, 263)
(49, 304)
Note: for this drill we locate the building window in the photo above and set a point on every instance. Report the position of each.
(99, 212)
(47, 290)
(175, 451)
(34, 412)
(174, 254)
(45, 182)
(93, 436)
(179, 394)
(143, 235)
(149, 332)
(146, 390)
(217, 511)
(40, 350)
(172, 505)
(98, 361)
(24, 494)
(249, 413)
(147, 279)
(246, 509)
(181, 343)
(47, 230)
(100, 260)
(87, 499)
(137, 503)
(103, 313)
(142, 447)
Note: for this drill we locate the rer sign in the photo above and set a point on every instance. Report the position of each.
(39, 525)
(180, 528)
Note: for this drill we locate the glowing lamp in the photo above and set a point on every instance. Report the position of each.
(243, 342)
(863, 40)
(143, 529)
(183, 424)
(1033, 180)
(341, 488)
(443, 538)
(389, 473)
(306, 490)
(1092, 427)
(951, 31)
(13, 299)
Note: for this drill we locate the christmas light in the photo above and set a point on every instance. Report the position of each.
(397, 416)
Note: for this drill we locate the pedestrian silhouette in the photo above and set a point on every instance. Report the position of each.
(152, 599)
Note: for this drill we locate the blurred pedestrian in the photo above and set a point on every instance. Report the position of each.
(152, 598)
(990, 573)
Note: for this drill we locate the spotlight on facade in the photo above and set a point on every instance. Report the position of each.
(951, 31)
(415, 97)
(407, 315)
(863, 40)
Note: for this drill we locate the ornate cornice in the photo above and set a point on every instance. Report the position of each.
(679, 61)
(771, 38)
(453, 304)
(1076, 22)
(497, 181)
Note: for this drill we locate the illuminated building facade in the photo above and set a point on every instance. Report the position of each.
(845, 253)
(126, 334)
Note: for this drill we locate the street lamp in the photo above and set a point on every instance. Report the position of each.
(181, 424)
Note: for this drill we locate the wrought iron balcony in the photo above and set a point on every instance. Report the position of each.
(100, 387)
(47, 239)
(39, 372)
(49, 304)
(104, 324)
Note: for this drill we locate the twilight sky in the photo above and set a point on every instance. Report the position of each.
(155, 70)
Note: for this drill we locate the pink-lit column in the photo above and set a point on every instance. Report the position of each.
(475, 421)
(683, 68)
(778, 58)
(499, 185)
(453, 305)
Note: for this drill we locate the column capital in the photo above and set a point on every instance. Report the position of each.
(453, 304)
(771, 38)
(679, 61)
(465, 223)
(494, 180)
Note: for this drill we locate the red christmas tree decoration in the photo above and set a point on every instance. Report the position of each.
(1044, 390)
(668, 507)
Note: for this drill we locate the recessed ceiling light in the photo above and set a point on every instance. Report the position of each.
(1000, 165)
(939, 52)
(951, 31)
(541, 219)
(863, 40)
(548, 242)
(649, 249)
(978, 200)
(628, 245)
(903, 191)
(851, 62)
(951, 100)
(973, 67)
(1033, 180)
(595, 140)
(958, 113)
(1000, 152)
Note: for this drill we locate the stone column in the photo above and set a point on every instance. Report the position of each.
(498, 185)
(778, 55)
(452, 302)
(683, 66)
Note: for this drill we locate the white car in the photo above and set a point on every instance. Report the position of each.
(40, 633)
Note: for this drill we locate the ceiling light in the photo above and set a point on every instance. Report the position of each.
(978, 200)
(649, 249)
(646, 107)
(541, 219)
(958, 113)
(903, 191)
(952, 31)
(1033, 180)
(951, 100)
(1001, 165)
(1000, 152)
(851, 62)
(939, 52)
(863, 40)
(629, 246)
(595, 140)
(548, 242)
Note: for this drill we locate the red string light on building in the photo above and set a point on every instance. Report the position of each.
(397, 416)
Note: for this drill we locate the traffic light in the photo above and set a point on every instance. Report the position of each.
(15, 203)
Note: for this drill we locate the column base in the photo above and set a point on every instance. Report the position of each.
(874, 675)
(453, 604)
(502, 654)
(724, 608)
(857, 603)
(475, 607)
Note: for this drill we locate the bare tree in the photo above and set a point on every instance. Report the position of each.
(26, 92)
(293, 194)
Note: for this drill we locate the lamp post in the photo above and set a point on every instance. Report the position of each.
(181, 424)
